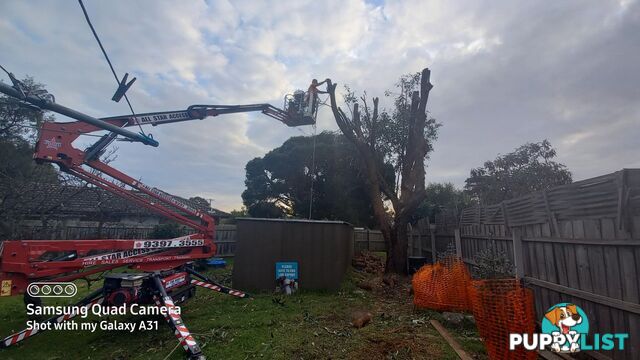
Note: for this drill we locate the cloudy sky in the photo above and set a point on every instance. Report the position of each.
(505, 72)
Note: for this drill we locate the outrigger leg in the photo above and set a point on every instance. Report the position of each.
(208, 283)
(175, 321)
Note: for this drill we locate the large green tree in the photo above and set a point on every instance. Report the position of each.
(18, 171)
(19, 120)
(528, 168)
(281, 183)
(403, 136)
(442, 198)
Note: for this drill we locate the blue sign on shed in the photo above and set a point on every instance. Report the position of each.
(287, 269)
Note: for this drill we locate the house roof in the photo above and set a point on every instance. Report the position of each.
(55, 198)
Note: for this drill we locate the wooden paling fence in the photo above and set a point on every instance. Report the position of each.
(577, 243)
(367, 240)
(225, 240)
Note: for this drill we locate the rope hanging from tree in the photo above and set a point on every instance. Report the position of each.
(313, 170)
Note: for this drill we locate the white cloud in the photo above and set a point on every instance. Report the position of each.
(504, 74)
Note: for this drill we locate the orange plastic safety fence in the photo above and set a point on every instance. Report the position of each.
(442, 286)
(502, 307)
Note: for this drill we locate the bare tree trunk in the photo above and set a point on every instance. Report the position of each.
(361, 131)
(397, 248)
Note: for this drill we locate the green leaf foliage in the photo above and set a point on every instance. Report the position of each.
(279, 184)
(528, 168)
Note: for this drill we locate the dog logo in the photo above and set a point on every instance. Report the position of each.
(566, 322)
(565, 329)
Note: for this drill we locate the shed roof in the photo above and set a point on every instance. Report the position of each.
(294, 220)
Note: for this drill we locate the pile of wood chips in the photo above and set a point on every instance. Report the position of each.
(368, 262)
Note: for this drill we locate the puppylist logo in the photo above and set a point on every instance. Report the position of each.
(565, 327)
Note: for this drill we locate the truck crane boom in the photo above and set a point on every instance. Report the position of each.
(31, 259)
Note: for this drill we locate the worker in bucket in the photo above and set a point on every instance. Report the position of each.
(312, 97)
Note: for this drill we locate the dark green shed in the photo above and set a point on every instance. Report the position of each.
(322, 249)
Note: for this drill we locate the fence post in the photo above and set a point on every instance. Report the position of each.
(456, 233)
(419, 248)
(517, 254)
(410, 241)
(368, 241)
(434, 255)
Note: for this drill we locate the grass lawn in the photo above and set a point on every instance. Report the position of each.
(307, 325)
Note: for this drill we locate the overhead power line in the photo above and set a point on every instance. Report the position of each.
(104, 52)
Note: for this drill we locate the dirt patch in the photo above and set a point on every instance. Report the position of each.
(399, 343)
(397, 330)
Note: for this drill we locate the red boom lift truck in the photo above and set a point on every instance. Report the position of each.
(164, 275)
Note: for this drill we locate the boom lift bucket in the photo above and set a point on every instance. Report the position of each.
(297, 106)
